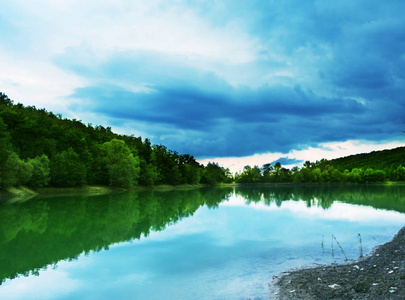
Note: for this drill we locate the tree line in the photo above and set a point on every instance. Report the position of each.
(329, 171)
(39, 149)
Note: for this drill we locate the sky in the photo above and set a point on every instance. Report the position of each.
(237, 82)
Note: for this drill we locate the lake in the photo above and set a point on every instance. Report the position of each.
(209, 243)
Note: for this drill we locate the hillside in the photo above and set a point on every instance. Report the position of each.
(377, 166)
(378, 160)
(39, 148)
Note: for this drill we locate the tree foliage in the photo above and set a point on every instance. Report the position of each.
(318, 172)
(15, 171)
(40, 171)
(123, 166)
(39, 148)
(63, 152)
(213, 174)
(67, 170)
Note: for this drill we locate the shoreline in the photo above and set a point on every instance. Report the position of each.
(379, 275)
(22, 193)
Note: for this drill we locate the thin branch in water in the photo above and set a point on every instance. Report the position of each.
(341, 249)
(323, 248)
(361, 245)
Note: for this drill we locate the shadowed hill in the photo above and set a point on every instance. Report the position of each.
(378, 160)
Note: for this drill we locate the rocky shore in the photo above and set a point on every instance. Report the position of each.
(380, 275)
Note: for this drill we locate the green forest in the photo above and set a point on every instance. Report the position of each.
(39, 149)
(374, 167)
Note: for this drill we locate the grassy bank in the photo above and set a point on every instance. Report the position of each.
(16, 194)
(87, 190)
(21, 193)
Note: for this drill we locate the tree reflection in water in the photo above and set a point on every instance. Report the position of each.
(43, 231)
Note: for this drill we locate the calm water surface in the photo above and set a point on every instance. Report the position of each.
(218, 243)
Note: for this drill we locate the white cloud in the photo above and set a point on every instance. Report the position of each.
(46, 286)
(92, 31)
(108, 26)
(235, 45)
(337, 211)
(340, 149)
(36, 82)
(325, 150)
(236, 164)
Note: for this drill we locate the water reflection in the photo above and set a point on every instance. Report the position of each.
(377, 196)
(43, 231)
(46, 231)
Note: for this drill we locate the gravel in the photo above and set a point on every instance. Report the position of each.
(380, 275)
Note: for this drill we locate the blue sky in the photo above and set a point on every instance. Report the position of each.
(254, 81)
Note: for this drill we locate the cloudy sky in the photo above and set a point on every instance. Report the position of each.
(244, 82)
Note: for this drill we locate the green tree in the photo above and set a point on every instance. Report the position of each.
(149, 171)
(15, 171)
(97, 172)
(123, 167)
(5, 147)
(191, 174)
(267, 169)
(67, 170)
(168, 165)
(317, 175)
(336, 176)
(4, 100)
(190, 169)
(228, 176)
(356, 175)
(399, 173)
(213, 174)
(40, 171)
(371, 175)
(307, 173)
(250, 175)
(379, 176)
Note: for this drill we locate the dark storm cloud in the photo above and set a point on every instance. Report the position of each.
(235, 122)
(345, 79)
(287, 161)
